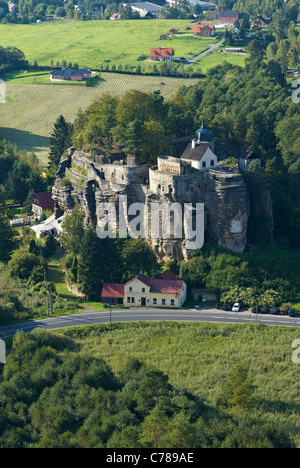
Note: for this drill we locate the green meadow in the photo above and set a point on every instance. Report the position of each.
(92, 43)
(31, 109)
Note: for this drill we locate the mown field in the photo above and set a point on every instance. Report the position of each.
(92, 43)
(199, 357)
(27, 117)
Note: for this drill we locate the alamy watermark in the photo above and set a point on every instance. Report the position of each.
(296, 93)
(153, 221)
(296, 353)
(2, 92)
(2, 352)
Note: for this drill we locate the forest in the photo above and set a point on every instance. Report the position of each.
(53, 395)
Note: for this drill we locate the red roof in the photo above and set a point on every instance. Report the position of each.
(44, 200)
(112, 290)
(162, 52)
(199, 27)
(158, 285)
(167, 275)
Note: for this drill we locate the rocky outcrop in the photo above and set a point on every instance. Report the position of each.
(91, 183)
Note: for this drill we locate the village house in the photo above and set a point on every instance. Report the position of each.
(229, 16)
(204, 30)
(42, 202)
(165, 290)
(261, 22)
(70, 74)
(162, 54)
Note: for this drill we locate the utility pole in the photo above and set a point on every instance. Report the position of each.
(47, 290)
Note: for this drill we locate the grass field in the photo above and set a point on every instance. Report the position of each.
(217, 58)
(92, 43)
(27, 117)
(200, 356)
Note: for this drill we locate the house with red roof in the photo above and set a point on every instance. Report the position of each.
(164, 291)
(42, 201)
(204, 30)
(229, 16)
(162, 54)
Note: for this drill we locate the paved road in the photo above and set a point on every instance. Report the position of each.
(208, 51)
(92, 317)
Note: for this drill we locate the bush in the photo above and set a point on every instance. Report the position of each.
(22, 264)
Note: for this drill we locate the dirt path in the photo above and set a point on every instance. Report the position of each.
(208, 51)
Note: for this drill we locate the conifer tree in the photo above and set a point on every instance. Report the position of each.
(60, 140)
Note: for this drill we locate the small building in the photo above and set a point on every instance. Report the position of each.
(204, 30)
(229, 16)
(42, 201)
(203, 295)
(213, 16)
(205, 6)
(115, 16)
(246, 158)
(260, 22)
(70, 74)
(112, 294)
(144, 8)
(52, 225)
(162, 54)
(200, 152)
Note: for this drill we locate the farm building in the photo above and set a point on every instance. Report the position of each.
(204, 30)
(144, 8)
(162, 54)
(70, 74)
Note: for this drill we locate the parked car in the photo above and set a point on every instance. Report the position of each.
(265, 310)
(283, 312)
(275, 311)
(292, 313)
(236, 307)
(254, 310)
(226, 307)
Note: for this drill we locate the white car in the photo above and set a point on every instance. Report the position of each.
(236, 307)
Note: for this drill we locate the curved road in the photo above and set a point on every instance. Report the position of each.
(93, 317)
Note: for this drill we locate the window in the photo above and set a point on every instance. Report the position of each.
(204, 165)
(212, 163)
(154, 300)
(163, 301)
(132, 300)
(130, 289)
(172, 302)
(128, 299)
(143, 289)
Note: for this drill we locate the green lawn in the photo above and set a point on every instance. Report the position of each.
(217, 58)
(30, 110)
(91, 43)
